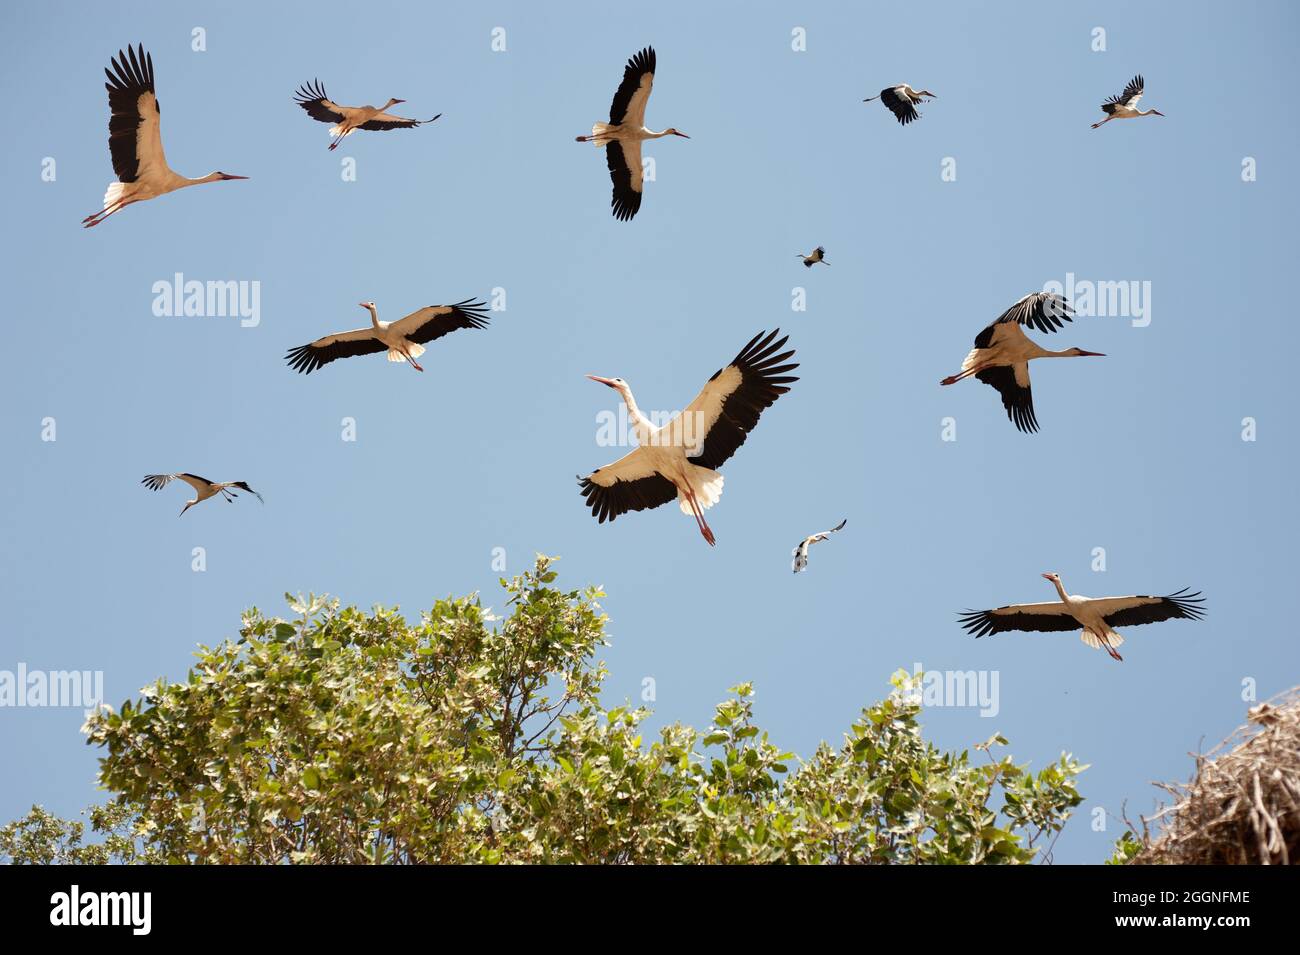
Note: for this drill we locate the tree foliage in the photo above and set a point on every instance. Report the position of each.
(346, 737)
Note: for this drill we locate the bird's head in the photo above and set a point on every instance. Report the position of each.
(618, 384)
(1054, 578)
(393, 101)
(677, 132)
(927, 93)
(1156, 112)
(1080, 353)
(369, 305)
(225, 175)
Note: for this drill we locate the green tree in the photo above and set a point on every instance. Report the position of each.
(342, 737)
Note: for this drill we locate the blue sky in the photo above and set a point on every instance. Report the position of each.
(1140, 453)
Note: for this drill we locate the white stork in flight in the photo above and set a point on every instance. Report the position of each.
(1124, 106)
(680, 459)
(800, 553)
(404, 339)
(812, 258)
(902, 100)
(348, 119)
(135, 139)
(1002, 353)
(1097, 616)
(204, 488)
(623, 134)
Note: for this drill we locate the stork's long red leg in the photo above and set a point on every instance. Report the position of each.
(1109, 649)
(953, 379)
(102, 214)
(695, 512)
(699, 517)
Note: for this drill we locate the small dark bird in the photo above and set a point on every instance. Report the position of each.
(901, 100)
(812, 258)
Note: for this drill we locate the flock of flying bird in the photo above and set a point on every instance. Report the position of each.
(679, 460)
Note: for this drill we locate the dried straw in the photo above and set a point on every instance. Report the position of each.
(1242, 807)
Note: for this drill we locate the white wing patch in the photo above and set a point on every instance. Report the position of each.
(636, 106)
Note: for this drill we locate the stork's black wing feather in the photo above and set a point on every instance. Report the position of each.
(981, 623)
(311, 97)
(379, 125)
(131, 78)
(466, 314)
(640, 64)
(1180, 605)
(1045, 311)
(307, 358)
(626, 198)
(763, 379)
(1018, 400)
(899, 105)
(607, 503)
(1134, 88)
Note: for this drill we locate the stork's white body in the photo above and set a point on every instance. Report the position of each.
(667, 450)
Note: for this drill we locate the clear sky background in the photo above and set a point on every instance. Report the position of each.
(1140, 452)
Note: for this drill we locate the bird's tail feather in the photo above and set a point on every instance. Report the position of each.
(1088, 637)
(114, 193)
(415, 350)
(707, 485)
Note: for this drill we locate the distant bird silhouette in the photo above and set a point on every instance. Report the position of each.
(348, 119)
(812, 258)
(204, 487)
(902, 100)
(800, 553)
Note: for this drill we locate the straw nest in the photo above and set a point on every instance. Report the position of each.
(1242, 806)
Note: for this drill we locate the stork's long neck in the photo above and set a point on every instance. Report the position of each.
(651, 134)
(1065, 598)
(1041, 352)
(374, 315)
(639, 421)
(210, 177)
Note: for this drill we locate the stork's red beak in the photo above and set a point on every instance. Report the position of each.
(683, 135)
(1049, 576)
(1092, 354)
(226, 175)
(603, 381)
